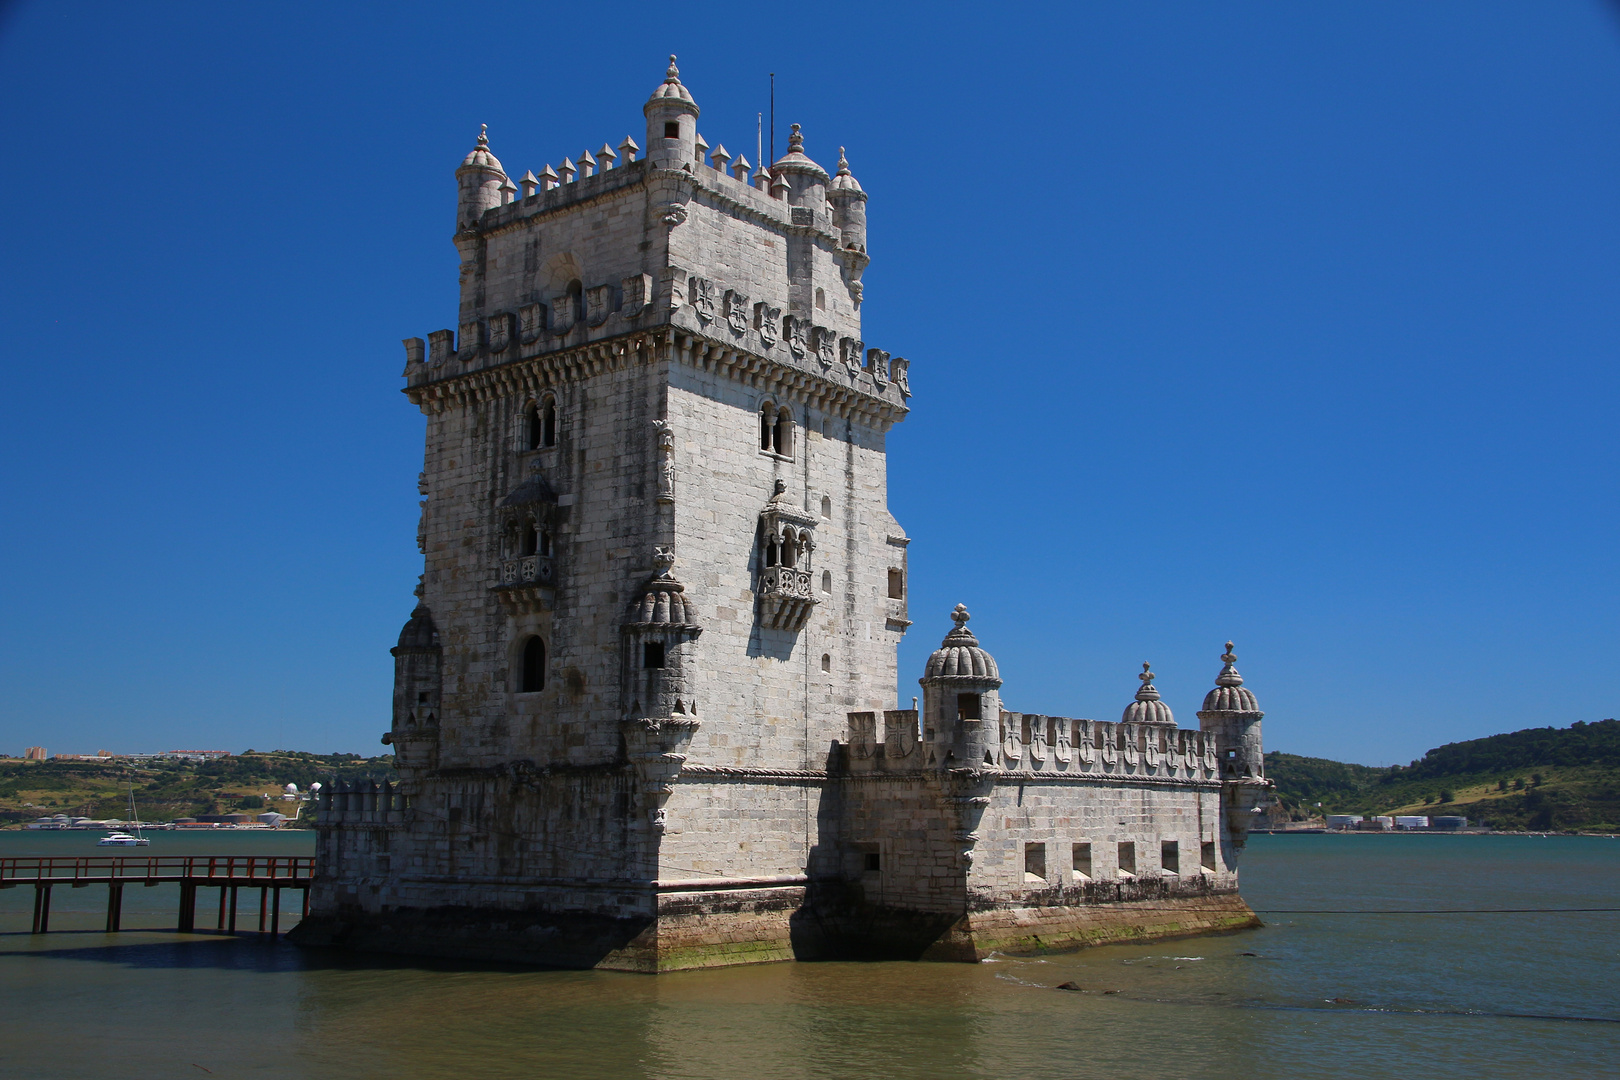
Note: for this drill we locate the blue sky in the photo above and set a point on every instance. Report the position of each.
(1290, 323)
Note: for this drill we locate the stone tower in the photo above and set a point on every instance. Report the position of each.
(659, 565)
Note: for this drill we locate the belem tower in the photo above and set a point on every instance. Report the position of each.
(644, 709)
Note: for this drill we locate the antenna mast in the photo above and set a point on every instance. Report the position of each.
(773, 118)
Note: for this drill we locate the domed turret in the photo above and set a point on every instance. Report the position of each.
(849, 206)
(658, 630)
(671, 123)
(961, 706)
(1148, 708)
(1232, 716)
(419, 633)
(806, 181)
(479, 182)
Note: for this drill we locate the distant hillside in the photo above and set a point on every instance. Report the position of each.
(1540, 779)
(165, 790)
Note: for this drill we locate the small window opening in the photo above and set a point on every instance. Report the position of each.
(826, 429)
(534, 666)
(967, 706)
(770, 553)
(1170, 856)
(790, 550)
(533, 433)
(821, 299)
(767, 424)
(872, 862)
(1127, 858)
(782, 434)
(1207, 855)
(826, 661)
(548, 423)
(421, 697)
(897, 584)
(1081, 855)
(826, 506)
(544, 547)
(672, 129)
(529, 543)
(652, 654)
(1035, 862)
(826, 581)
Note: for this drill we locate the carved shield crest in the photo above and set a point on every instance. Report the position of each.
(598, 304)
(900, 733)
(1012, 743)
(795, 336)
(441, 343)
(531, 320)
(564, 314)
(1037, 740)
(471, 340)
(1085, 747)
(852, 356)
(766, 321)
(899, 369)
(1062, 748)
(700, 294)
(637, 294)
(737, 311)
(877, 362)
(862, 735)
(826, 346)
(500, 331)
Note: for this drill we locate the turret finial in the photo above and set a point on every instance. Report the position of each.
(795, 140)
(1147, 675)
(960, 616)
(843, 163)
(483, 136)
(1229, 674)
(673, 75)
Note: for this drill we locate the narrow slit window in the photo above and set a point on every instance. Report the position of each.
(1127, 858)
(652, 654)
(826, 662)
(1170, 856)
(534, 666)
(897, 584)
(548, 423)
(1207, 855)
(532, 433)
(826, 581)
(1035, 863)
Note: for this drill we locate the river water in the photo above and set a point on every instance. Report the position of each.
(1309, 995)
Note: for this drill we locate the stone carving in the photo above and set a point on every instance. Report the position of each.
(531, 323)
(877, 362)
(674, 214)
(637, 294)
(415, 350)
(471, 340)
(899, 733)
(1062, 748)
(441, 345)
(663, 560)
(766, 321)
(737, 311)
(786, 593)
(1012, 747)
(862, 735)
(899, 369)
(598, 304)
(564, 314)
(1037, 740)
(666, 461)
(700, 294)
(826, 346)
(852, 350)
(796, 334)
(500, 331)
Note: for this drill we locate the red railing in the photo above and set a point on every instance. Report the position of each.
(215, 869)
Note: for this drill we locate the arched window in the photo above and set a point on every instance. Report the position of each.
(821, 299)
(771, 550)
(826, 506)
(826, 581)
(782, 433)
(544, 545)
(790, 549)
(826, 661)
(529, 539)
(576, 299)
(533, 428)
(767, 424)
(546, 422)
(534, 666)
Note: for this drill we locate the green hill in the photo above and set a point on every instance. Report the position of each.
(1539, 779)
(165, 790)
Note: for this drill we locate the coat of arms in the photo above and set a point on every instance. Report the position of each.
(700, 294)
(826, 346)
(852, 356)
(531, 321)
(737, 311)
(564, 313)
(766, 321)
(795, 336)
(637, 294)
(598, 304)
(899, 371)
(500, 331)
(877, 362)
(862, 735)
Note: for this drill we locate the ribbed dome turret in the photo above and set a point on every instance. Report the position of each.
(664, 603)
(1148, 708)
(671, 90)
(419, 633)
(1229, 695)
(959, 655)
(844, 180)
(481, 158)
(795, 161)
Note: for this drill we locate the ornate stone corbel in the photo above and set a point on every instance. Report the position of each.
(666, 460)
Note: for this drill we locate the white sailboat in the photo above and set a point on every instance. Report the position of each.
(124, 839)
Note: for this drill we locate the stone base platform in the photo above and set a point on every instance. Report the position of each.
(750, 926)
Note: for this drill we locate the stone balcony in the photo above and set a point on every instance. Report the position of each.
(527, 584)
(528, 570)
(786, 597)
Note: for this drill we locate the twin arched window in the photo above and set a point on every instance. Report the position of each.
(534, 666)
(776, 430)
(533, 540)
(789, 549)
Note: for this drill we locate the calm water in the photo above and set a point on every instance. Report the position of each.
(1308, 996)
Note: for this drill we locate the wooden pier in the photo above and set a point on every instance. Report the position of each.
(228, 873)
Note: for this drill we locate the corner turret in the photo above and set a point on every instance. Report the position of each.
(1148, 708)
(671, 123)
(961, 703)
(480, 183)
(848, 206)
(806, 182)
(1232, 716)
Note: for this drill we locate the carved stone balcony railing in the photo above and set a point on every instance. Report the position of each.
(786, 597)
(527, 583)
(528, 570)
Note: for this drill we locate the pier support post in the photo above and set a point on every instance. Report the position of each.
(42, 908)
(231, 926)
(221, 924)
(264, 895)
(115, 906)
(275, 912)
(188, 907)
